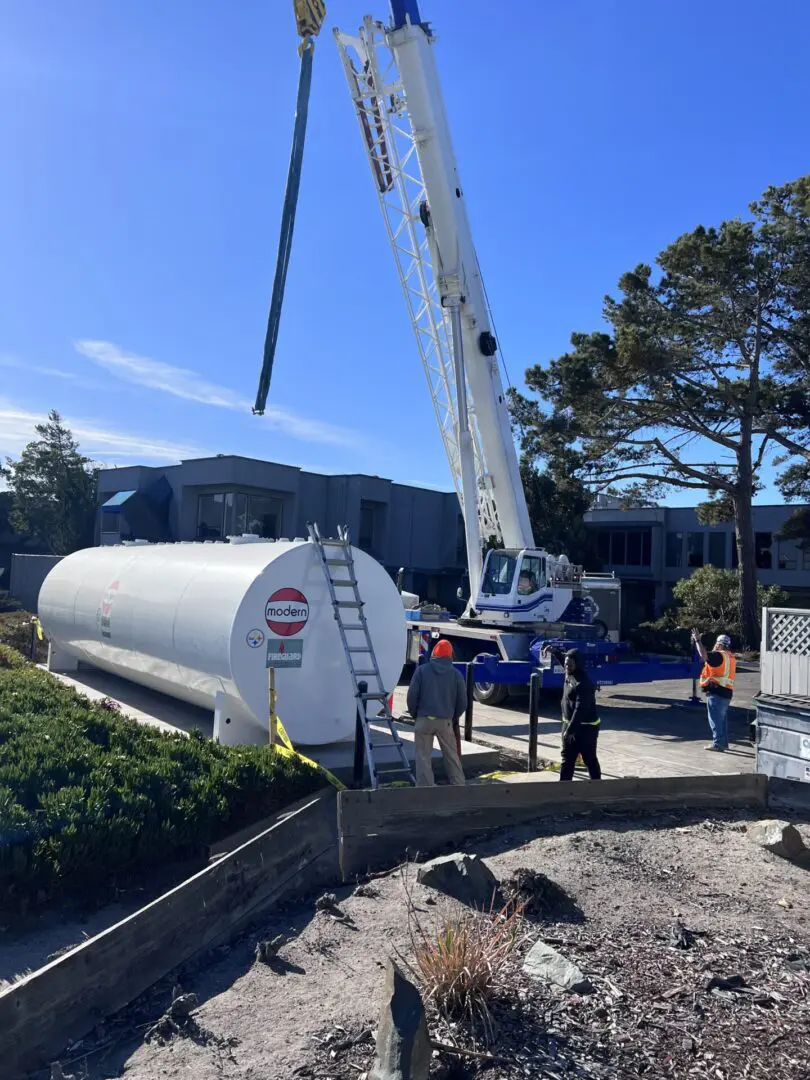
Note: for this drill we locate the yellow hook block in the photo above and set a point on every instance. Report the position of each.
(309, 17)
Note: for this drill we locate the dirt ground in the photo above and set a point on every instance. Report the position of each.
(629, 877)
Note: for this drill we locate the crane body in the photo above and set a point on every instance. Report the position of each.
(520, 597)
(394, 83)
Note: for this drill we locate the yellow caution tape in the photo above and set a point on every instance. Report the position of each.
(40, 633)
(287, 749)
(501, 775)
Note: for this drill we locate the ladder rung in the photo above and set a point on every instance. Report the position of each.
(358, 648)
(353, 626)
(337, 562)
(393, 772)
(350, 584)
(336, 543)
(359, 672)
(380, 696)
(349, 603)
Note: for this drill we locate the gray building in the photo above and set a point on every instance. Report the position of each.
(212, 498)
(652, 548)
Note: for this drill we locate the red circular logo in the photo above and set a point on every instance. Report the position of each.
(286, 612)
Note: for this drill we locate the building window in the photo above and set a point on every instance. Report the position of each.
(603, 546)
(264, 516)
(674, 549)
(762, 550)
(788, 555)
(634, 548)
(111, 522)
(239, 510)
(211, 516)
(233, 513)
(694, 548)
(717, 550)
(618, 548)
(365, 540)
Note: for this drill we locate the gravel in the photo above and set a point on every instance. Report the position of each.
(696, 941)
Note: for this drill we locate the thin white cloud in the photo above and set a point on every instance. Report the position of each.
(96, 442)
(48, 372)
(189, 385)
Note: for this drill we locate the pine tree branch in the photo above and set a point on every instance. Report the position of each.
(633, 475)
(707, 479)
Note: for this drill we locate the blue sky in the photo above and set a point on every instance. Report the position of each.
(145, 150)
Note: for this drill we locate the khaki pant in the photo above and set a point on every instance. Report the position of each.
(425, 728)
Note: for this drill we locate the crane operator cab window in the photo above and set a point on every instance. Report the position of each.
(499, 573)
(532, 575)
(507, 572)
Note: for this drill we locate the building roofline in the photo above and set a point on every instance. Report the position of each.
(278, 464)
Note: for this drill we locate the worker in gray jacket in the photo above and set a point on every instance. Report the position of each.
(437, 697)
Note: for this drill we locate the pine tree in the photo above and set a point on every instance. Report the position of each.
(53, 489)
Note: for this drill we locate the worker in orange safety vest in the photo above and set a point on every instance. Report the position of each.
(717, 683)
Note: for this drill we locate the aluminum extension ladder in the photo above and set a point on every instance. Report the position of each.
(336, 555)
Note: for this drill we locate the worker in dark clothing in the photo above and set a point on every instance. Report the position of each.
(580, 716)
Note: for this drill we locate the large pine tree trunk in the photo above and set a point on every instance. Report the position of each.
(746, 560)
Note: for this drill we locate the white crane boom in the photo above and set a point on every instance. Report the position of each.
(394, 83)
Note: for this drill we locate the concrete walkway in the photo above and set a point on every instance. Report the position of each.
(647, 729)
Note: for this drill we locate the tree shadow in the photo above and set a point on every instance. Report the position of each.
(106, 1052)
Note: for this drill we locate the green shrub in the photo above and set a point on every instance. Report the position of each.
(710, 600)
(660, 637)
(89, 798)
(8, 603)
(15, 631)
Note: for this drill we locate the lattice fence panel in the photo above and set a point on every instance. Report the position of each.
(789, 632)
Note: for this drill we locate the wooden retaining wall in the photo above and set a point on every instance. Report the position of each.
(65, 1000)
(378, 828)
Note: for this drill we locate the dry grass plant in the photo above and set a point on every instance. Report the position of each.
(462, 961)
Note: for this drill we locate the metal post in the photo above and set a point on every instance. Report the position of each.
(359, 739)
(33, 655)
(534, 708)
(273, 727)
(468, 714)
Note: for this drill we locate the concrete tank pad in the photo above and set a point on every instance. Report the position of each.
(170, 715)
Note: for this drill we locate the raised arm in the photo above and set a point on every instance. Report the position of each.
(701, 648)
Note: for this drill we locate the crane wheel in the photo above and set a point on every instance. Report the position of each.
(490, 693)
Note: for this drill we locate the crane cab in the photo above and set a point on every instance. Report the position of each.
(525, 586)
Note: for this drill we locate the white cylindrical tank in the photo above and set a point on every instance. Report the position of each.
(201, 620)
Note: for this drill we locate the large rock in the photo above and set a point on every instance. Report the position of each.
(403, 1043)
(780, 837)
(464, 877)
(547, 965)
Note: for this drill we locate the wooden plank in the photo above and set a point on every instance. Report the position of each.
(791, 795)
(380, 826)
(68, 997)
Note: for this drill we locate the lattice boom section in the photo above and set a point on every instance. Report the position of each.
(789, 632)
(379, 100)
